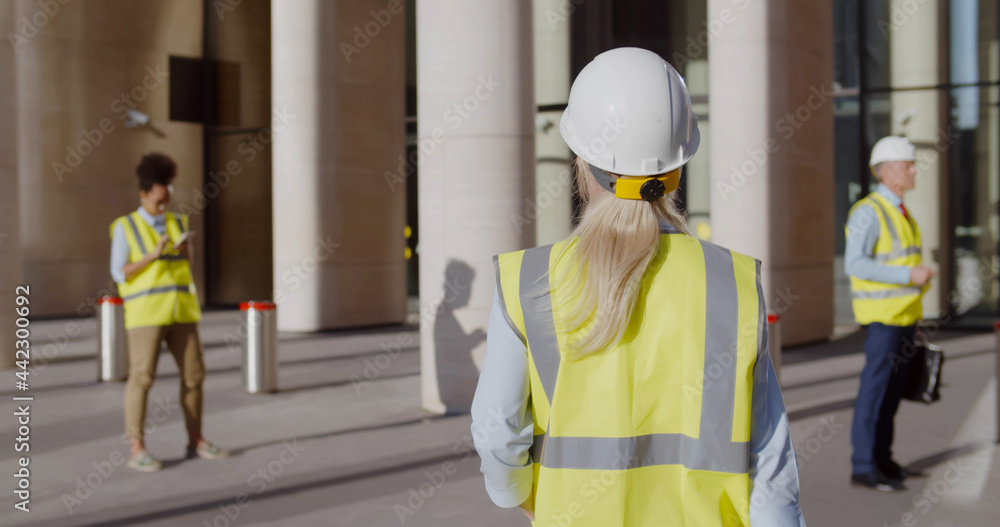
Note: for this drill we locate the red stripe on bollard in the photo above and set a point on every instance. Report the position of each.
(996, 326)
(109, 300)
(259, 305)
(774, 342)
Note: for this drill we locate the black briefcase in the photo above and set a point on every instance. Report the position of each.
(923, 381)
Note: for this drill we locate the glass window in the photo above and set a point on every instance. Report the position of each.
(974, 181)
(846, 61)
(849, 178)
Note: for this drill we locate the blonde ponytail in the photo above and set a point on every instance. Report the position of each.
(618, 240)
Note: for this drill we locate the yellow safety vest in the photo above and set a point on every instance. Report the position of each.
(163, 293)
(656, 430)
(898, 244)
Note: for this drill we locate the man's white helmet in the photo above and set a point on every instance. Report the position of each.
(892, 148)
(629, 113)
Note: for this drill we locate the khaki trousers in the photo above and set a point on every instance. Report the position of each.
(144, 345)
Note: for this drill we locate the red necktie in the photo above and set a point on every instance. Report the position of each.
(903, 208)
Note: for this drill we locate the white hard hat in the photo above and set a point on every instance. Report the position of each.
(629, 113)
(892, 148)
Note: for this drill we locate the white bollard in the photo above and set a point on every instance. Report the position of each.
(112, 354)
(774, 342)
(260, 352)
(996, 327)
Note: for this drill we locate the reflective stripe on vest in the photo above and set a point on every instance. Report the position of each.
(135, 232)
(621, 453)
(155, 290)
(539, 327)
(708, 451)
(899, 253)
(503, 303)
(887, 293)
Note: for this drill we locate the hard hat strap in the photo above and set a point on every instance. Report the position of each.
(607, 181)
(649, 188)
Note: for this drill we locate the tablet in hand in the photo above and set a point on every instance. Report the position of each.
(184, 237)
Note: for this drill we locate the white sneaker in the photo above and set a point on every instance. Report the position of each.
(144, 462)
(206, 450)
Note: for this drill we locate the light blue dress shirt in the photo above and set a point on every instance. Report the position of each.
(862, 235)
(119, 243)
(502, 431)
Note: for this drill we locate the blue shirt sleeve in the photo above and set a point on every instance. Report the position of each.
(119, 254)
(774, 471)
(862, 235)
(502, 425)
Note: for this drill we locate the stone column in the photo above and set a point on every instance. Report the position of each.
(914, 37)
(338, 71)
(476, 148)
(772, 151)
(10, 256)
(688, 41)
(553, 204)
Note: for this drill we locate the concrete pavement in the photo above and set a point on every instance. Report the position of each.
(345, 442)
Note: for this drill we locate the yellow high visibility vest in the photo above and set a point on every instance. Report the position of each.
(163, 293)
(898, 244)
(656, 430)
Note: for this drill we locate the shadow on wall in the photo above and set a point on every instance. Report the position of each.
(457, 374)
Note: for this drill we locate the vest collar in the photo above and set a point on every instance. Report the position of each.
(667, 228)
(153, 221)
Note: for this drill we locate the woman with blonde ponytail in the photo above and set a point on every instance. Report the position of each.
(618, 239)
(627, 380)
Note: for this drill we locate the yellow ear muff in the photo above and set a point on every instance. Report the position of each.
(649, 188)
